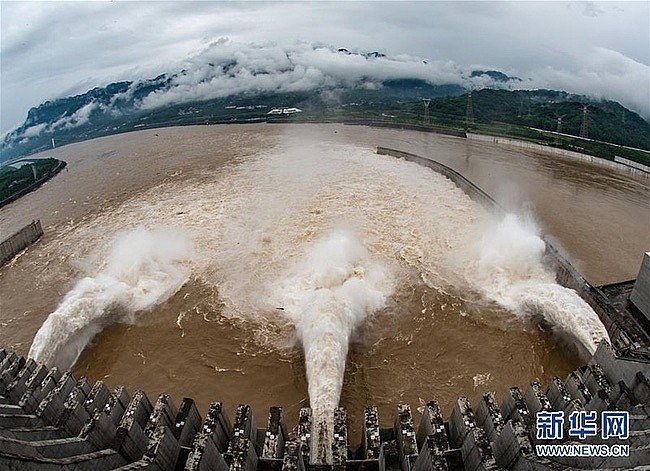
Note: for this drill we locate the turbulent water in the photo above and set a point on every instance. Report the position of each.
(308, 245)
(327, 295)
(143, 269)
(506, 266)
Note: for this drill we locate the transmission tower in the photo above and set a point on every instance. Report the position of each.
(558, 129)
(469, 116)
(584, 132)
(427, 118)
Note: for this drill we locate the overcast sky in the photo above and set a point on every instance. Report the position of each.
(54, 49)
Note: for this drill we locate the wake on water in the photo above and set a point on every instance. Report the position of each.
(257, 247)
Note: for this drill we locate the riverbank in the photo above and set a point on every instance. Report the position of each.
(35, 184)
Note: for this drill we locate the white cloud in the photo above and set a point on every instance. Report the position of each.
(34, 131)
(52, 49)
(269, 67)
(227, 68)
(602, 74)
(78, 118)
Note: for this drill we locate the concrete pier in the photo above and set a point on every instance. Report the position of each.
(17, 242)
(304, 432)
(275, 435)
(211, 441)
(405, 436)
(371, 436)
(50, 420)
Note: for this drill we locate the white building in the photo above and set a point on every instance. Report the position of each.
(284, 111)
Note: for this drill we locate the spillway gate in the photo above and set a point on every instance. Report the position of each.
(51, 420)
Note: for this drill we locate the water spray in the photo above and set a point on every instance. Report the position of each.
(327, 295)
(508, 268)
(144, 269)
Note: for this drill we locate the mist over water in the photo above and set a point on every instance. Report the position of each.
(304, 246)
(143, 269)
(508, 268)
(327, 295)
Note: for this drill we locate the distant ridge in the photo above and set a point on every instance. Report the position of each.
(220, 87)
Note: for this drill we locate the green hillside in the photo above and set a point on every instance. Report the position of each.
(22, 176)
(522, 114)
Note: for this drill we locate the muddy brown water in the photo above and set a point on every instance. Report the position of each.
(429, 349)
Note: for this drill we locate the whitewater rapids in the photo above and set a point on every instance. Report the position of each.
(317, 237)
(143, 269)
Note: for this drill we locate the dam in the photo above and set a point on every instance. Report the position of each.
(50, 420)
(390, 441)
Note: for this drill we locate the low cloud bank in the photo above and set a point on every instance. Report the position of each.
(227, 68)
(601, 74)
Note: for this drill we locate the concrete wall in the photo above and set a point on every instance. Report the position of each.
(640, 295)
(631, 163)
(599, 161)
(21, 239)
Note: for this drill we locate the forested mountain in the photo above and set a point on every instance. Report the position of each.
(121, 107)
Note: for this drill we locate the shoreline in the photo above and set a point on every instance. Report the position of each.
(34, 186)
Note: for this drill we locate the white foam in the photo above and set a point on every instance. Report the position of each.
(327, 294)
(143, 269)
(508, 268)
